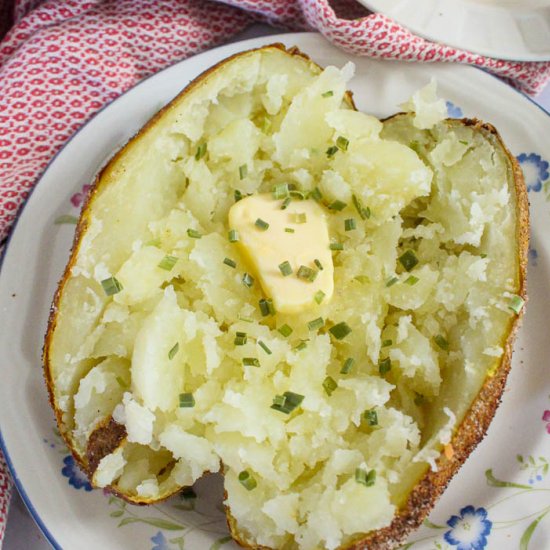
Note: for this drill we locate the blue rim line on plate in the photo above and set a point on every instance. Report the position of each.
(269, 39)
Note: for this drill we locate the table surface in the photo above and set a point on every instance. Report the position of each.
(21, 532)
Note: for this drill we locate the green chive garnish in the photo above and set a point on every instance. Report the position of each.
(299, 217)
(347, 366)
(350, 224)
(201, 150)
(251, 362)
(316, 195)
(302, 345)
(245, 319)
(408, 259)
(120, 381)
(391, 281)
(298, 194)
(280, 191)
(371, 417)
(194, 234)
(287, 402)
(316, 324)
(260, 224)
(267, 307)
(285, 268)
(342, 143)
(233, 235)
(363, 211)
(319, 296)
(240, 338)
(340, 331)
(318, 264)
(328, 93)
(153, 242)
(66, 218)
(237, 195)
(172, 353)
(411, 280)
(230, 262)
(306, 273)
(516, 303)
(285, 203)
(289, 230)
(337, 205)
(384, 366)
(248, 280)
(247, 481)
(168, 262)
(387, 343)
(329, 385)
(111, 286)
(187, 400)
(331, 151)
(243, 171)
(285, 330)
(441, 342)
(463, 142)
(363, 279)
(365, 478)
(336, 246)
(264, 347)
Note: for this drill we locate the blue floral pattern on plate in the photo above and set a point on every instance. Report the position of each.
(160, 542)
(454, 111)
(76, 478)
(535, 170)
(469, 530)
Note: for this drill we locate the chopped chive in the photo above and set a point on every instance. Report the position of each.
(245, 319)
(316, 324)
(336, 246)
(298, 194)
(120, 381)
(408, 259)
(387, 343)
(363, 279)
(111, 286)
(194, 234)
(243, 171)
(441, 342)
(363, 211)
(248, 280)
(240, 338)
(302, 345)
(391, 281)
(289, 230)
(365, 478)
(337, 205)
(172, 353)
(285, 268)
(66, 218)
(285, 203)
(329, 385)
(340, 331)
(266, 307)
(306, 273)
(187, 400)
(153, 242)
(384, 366)
(371, 417)
(280, 191)
(201, 150)
(287, 402)
(342, 143)
(516, 303)
(331, 151)
(350, 224)
(230, 262)
(347, 366)
(318, 264)
(411, 280)
(299, 217)
(463, 142)
(237, 195)
(328, 93)
(261, 224)
(264, 347)
(285, 330)
(251, 362)
(315, 194)
(319, 296)
(233, 235)
(247, 481)
(271, 306)
(483, 256)
(168, 262)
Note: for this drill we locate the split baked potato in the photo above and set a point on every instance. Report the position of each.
(171, 351)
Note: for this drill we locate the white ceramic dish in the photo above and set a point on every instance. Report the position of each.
(496, 501)
(505, 29)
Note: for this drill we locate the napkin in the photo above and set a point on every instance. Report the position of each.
(63, 60)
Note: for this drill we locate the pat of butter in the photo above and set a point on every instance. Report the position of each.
(287, 239)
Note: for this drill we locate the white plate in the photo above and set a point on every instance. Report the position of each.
(59, 498)
(505, 29)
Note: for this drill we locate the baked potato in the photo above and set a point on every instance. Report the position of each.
(321, 305)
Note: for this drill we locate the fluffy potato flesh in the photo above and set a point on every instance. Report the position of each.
(423, 281)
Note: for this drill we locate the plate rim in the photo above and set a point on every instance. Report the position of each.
(247, 43)
(377, 6)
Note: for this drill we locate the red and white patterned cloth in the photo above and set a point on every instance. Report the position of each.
(62, 60)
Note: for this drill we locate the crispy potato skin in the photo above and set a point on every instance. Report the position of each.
(468, 435)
